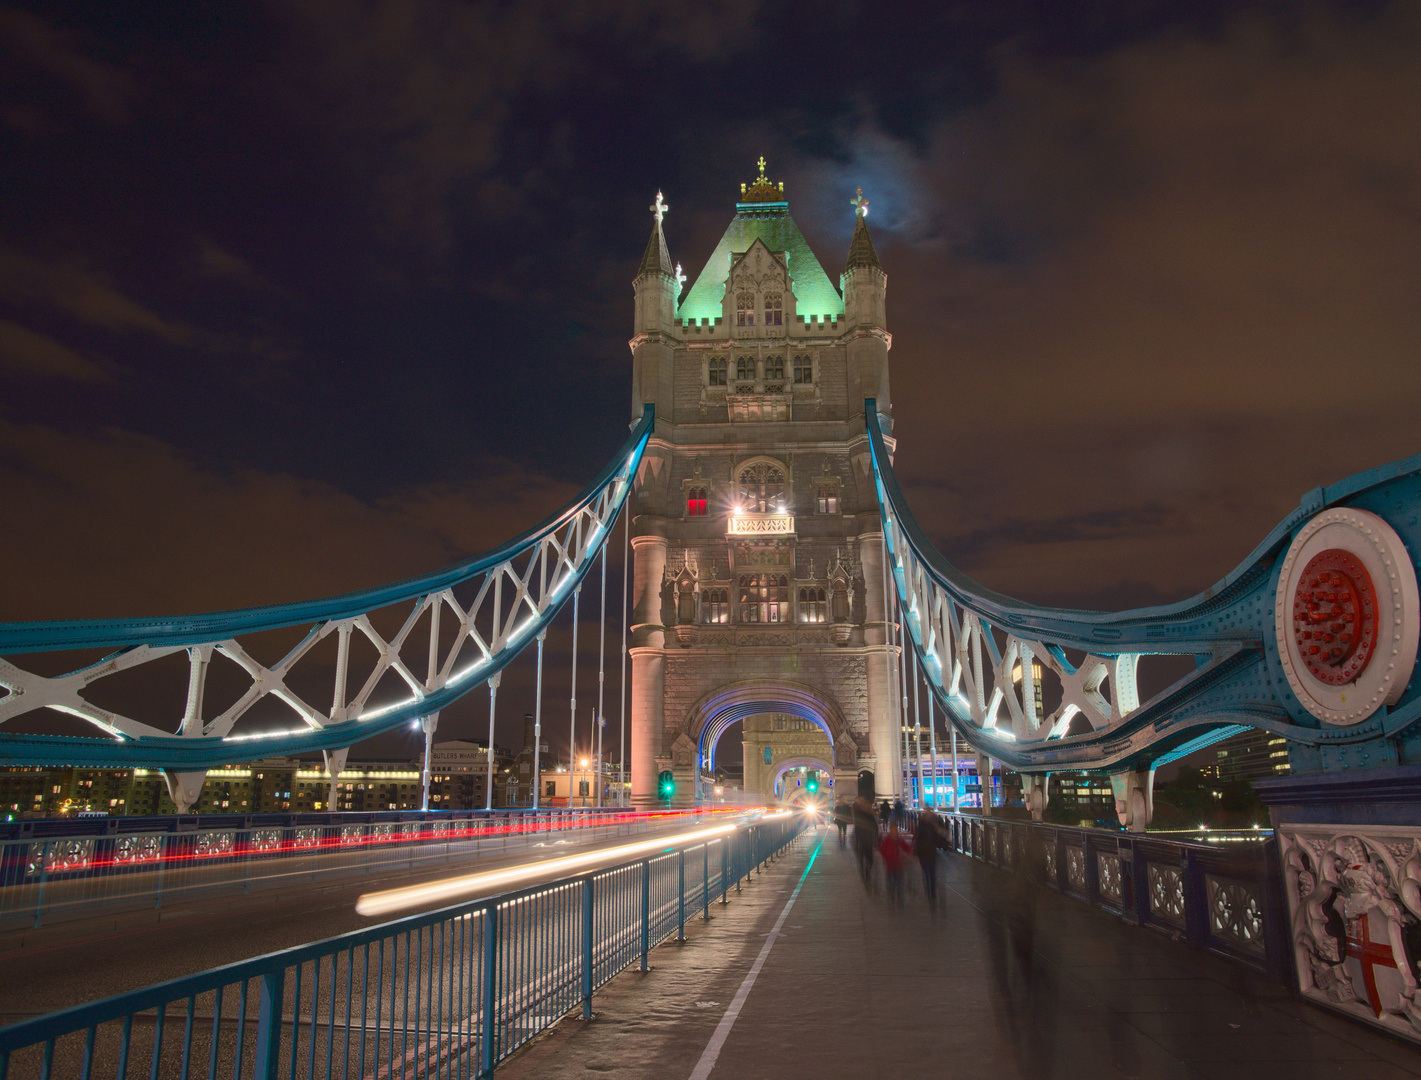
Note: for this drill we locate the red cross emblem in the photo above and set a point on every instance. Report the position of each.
(1371, 955)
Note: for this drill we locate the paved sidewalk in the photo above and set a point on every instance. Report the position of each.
(852, 989)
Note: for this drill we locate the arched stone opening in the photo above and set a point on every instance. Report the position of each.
(714, 714)
(789, 765)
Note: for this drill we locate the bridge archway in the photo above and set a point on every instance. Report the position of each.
(790, 764)
(713, 715)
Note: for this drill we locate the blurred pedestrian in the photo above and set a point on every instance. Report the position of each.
(927, 838)
(894, 850)
(885, 811)
(899, 815)
(841, 819)
(865, 838)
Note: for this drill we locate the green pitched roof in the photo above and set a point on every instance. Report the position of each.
(814, 293)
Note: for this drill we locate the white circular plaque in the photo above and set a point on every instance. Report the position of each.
(1346, 616)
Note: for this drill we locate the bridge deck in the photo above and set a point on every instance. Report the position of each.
(854, 989)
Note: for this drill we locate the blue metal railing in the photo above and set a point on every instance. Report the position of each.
(449, 993)
(1226, 899)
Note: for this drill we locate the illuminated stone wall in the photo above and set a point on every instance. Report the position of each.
(791, 400)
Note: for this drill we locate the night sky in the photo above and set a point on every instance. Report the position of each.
(299, 298)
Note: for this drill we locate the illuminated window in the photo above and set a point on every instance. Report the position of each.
(745, 309)
(716, 371)
(762, 488)
(764, 598)
(774, 367)
(774, 309)
(803, 370)
(715, 606)
(779, 723)
(744, 368)
(828, 502)
(813, 605)
(696, 502)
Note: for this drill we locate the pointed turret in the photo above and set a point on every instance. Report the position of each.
(861, 249)
(657, 287)
(865, 286)
(656, 260)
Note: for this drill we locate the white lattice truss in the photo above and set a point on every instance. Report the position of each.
(959, 650)
(510, 603)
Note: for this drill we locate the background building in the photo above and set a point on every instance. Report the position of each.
(775, 743)
(269, 786)
(1251, 756)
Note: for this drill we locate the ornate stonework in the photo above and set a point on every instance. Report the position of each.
(756, 536)
(1354, 902)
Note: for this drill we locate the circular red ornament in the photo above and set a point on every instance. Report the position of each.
(1335, 617)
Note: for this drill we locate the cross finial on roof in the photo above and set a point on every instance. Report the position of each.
(680, 284)
(762, 166)
(860, 204)
(659, 208)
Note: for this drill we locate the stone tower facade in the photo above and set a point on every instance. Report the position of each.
(756, 539)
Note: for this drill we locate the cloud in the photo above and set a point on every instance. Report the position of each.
(156, 533)
(27, 352)
(72, 287)
(425, 95)
(1144, 302)
(217, 262)
(39, 56)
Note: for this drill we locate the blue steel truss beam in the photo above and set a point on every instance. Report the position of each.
(977, 646)
(518, 589)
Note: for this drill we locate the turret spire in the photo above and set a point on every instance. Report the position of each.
(656, 259)
(861, 250)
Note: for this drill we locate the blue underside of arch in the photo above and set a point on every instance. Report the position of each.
(721, 719)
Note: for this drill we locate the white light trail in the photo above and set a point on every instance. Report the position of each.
(468, 886)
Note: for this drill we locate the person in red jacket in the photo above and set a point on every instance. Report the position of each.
(894, 850)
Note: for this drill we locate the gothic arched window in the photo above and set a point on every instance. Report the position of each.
(696, 502)
(774, 308)
(813, 605)
(762, 489)
(764, 598)
(715, 606)
(745, 309)
(744, 368)
(774, 367)
(716, 371)
(803, 370)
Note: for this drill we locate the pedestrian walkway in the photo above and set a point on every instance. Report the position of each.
(849, 988)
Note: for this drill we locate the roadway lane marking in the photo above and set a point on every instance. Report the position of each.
(711, 1053)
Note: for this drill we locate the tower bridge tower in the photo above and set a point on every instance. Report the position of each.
(756, 538)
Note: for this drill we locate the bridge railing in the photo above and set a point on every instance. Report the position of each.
(78, 876)
(449, 993)
(1221, 898)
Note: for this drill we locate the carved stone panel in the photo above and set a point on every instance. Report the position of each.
(1075, 869)
(1107, 866)
(1354, 905)
(1166, 894)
